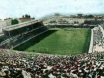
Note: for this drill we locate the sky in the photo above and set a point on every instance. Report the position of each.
(42, 8)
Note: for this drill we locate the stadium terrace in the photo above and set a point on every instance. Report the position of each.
(46, 62)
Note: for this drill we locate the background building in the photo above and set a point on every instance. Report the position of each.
(24, 19)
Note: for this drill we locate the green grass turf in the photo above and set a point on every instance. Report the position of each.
(59, 41)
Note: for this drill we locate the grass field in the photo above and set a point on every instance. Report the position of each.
(59, 41)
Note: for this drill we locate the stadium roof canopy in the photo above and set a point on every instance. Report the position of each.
(20, 25)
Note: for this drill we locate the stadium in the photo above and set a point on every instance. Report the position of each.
(53, 47)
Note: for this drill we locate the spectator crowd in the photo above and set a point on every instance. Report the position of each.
(15, 64)
(98, 39)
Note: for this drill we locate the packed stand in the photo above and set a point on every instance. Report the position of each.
(98, 40)
(30, 65)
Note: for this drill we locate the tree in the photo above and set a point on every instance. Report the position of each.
(14, 21)
(27, 16)
(89, 16)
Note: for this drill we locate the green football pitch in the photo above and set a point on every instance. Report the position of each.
(59, 41)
